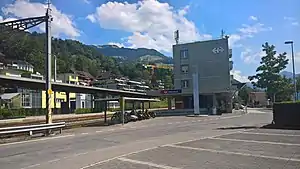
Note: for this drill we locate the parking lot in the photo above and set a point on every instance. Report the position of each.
(250, 148)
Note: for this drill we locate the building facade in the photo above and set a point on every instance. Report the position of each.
(210, 61)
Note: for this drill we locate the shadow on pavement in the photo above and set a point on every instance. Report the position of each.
(283, 127)
(237, 127)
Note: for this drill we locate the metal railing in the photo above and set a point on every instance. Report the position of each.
(30, 129)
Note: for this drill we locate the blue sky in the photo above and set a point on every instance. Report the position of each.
(151, 24)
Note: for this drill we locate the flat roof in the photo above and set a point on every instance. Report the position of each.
(40, 84)
(127, 98)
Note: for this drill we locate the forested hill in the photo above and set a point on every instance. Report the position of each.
(128, 54)
(71, 55)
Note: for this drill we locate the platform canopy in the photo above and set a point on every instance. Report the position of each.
(128, 98)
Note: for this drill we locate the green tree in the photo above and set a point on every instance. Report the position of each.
(298, 84)
(267, 74)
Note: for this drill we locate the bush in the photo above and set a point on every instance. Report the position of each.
(288, 102)
(84, 111)
(10, 113)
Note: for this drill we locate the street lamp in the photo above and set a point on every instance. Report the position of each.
(293, 61)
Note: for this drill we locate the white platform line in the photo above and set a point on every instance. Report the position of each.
(31, 166)
(272, 134)
(235, 153)
(37, 140)
(254, 141)
(151, 148)
(146, 163)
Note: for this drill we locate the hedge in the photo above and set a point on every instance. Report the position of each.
(11, 113)
(85, 111)
(288, 102)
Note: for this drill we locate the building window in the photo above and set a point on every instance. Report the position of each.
(82, 105)
(184, 54)
(184, 84)
(184, 68)
(26, 99)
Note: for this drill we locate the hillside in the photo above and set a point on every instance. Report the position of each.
(128, 54)
(71, 55)
(288, 74)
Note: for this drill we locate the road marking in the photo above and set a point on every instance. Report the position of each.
(31, 166)
(79, 154)
(185, 121)
(234, 153)
(200, 120)
(111, 130)
(151, 148)
(84, 133)
(99, 131)
(254, 141)
(170, 123)
(36, 140)
(110, 159)
(146, 163)
(51, 161)
(272, 134)
(178, 122)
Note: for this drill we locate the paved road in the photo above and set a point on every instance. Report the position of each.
(228, 141)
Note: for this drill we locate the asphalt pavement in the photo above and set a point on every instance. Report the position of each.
(227, 141)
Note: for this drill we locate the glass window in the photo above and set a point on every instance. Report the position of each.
(184, 54)
(184, 68)
(184, 84)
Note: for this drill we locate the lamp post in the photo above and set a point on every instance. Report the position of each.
(293, 61)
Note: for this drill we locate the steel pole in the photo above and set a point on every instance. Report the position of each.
(294, 74)
(48, 67)
(55, 81)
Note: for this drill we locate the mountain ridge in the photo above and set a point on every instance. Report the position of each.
(130, 54)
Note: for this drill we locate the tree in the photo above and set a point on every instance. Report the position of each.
(244, 94)
(298, 84)
(267, 74)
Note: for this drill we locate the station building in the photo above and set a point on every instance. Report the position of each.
(211, 62)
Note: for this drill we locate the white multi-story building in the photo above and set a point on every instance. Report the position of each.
(20, 65)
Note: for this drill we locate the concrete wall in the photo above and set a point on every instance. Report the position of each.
(214, 69)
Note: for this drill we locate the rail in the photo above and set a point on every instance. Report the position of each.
(32, 128)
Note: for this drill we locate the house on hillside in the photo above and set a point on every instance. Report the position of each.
(84, 78)
(20, 65)
(10, 100)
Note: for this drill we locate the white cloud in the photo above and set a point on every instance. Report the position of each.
(292, 20)
(151, 23)
(250, 30)
(289, 18)
(238, 76)
(120, 45)
(6, 19)
(184, 10)
(249, 57)
(91, 18)
(87, 1)
(296, 57)
(295, 23)
(233, 39)
(253, 18)
(246, 31)
(62, 23)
